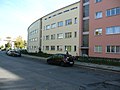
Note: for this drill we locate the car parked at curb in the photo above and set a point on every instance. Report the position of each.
(61, 59)
(13, 53)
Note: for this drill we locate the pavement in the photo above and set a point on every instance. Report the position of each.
(83, 64)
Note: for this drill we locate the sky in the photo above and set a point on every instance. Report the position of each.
(17, 15)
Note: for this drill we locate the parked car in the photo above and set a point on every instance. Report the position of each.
(13, 53)
(61, 59)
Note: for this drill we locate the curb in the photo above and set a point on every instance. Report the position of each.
(82, 64)
(97, 66)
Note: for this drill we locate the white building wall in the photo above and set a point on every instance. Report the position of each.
(66, 13)
(34, 38)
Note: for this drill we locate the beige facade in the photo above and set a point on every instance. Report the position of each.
(34, 36)
(60, 30)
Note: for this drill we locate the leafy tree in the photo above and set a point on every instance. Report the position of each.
(19, 43)
(8, 45)
(1, 47)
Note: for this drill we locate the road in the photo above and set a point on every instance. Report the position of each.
(21, 73)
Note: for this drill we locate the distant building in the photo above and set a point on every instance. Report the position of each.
(34, 36)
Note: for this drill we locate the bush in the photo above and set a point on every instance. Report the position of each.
(39, 54)
(97, 60)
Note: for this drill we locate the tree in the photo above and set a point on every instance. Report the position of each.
(8, 46)
(1, 47)
(19, 43)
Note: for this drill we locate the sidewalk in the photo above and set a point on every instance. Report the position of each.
(77, 63)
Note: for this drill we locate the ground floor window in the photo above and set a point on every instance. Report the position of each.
(98, 48)
(68, 48)
(53, 48)
(47, 47)
(113, 49)
(59, 48)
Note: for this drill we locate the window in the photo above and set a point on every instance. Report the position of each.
(75, 48)
(85, 42)
(113, 30)
(59, 48)
(60, 24)
(85, 1)
(60, 36)
(86, 11)
(117, 49)
(36, 39)
(73, 8)
(53, 25)
(75, 34)
(113, 11)
(66, 11)
(47, 27)
(52, 47)
(53, 37)
(68, 35)
(98, 15)
(47, 47)
(68, 22)
(113, 49)
(98, 48)
(98, 31)
(98, 1)
(47, 37)
(68, 48)
(76, 20)
(86, 25)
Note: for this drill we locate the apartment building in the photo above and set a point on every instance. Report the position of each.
(104, 28)
(85, 28)
(60, 30)
(34, 37)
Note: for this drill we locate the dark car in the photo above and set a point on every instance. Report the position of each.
(13, 53)
(61, 59)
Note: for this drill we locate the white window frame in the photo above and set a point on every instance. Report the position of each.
(113, 30)
(60, 36)
(98, 15)
(98, 48)
(53, 25)
(99, 31)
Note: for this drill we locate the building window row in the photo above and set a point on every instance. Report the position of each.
(34, 32)
(109, 49)
(33, 39)
(60, 24)
(113, 49)
(113, 11)
(61, 12)
(33, 47)
(60, 48)
(110, 12)
(60, 36)
(113, 30)
(109, 30)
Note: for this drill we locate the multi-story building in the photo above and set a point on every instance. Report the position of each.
(60, 30)
(87, 27)
(34, 37)
(104, 28)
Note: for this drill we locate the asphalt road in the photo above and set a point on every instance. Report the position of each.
(21, 73)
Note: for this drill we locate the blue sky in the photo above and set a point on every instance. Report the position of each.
(17, 15)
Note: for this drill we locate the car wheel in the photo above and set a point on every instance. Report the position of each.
(62, 64)
(48, 61)
(71, 65)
